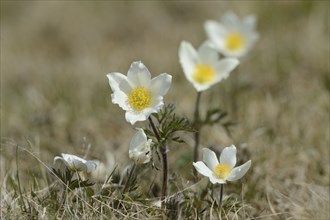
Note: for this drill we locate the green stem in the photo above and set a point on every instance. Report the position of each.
(196, 125)
(163, 152)
(129, 178)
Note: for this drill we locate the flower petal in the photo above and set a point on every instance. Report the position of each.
(157, 104)
(250, 22)
(202, 87)
(217, 33)
(207, 54)
(91, 165)
(239, 172)
(215, 180)
(71, 157)
(125, 86)
(138, 139)
(202, 169)
(120, 98)
(115, 79)
(210, 158)
(228, 156)
(161, 84)
(58, 158)
(224, 67)
(188, 58)
(230, 19)
(139, 75)
(133, 117)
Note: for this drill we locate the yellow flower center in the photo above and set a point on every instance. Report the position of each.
(139, 98)
(235, 41)
(204, 74)
(222, 171)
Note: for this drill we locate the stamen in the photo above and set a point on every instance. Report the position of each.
(235, 41)
(204, 74)
(222, 171)
(139, 98)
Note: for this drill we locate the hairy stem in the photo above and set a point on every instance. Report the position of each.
(129, 178)
(196, 125)
(163, 152)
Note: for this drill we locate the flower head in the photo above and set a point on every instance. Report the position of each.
(137, 93)
(220, 172)
(202, 67)
(232, 37)
(78, 164)
(139, 148)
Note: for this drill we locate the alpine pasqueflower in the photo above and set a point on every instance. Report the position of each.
(137, 93)
(75, 163)
(139, 148)
(232, 37)
(202, 67)
(220, 172)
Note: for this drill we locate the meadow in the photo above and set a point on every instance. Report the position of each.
(55, 98)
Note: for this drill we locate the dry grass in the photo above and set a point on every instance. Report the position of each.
(54, 93)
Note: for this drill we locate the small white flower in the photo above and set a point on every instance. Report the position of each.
(232, 37)
(220, 172)
(77, 164)
(139, 148)
(202, 67)
(137, 93)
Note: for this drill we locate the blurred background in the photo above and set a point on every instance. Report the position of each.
(55, 95)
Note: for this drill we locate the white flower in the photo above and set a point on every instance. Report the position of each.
(223, 171)
(232, 37)
(137, 93)
(202, 67)
(139, 148)
(77, 164)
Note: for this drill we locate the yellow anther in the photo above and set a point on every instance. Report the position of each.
(222, 171)
(139, 98)
(235, 41)
(204, 74)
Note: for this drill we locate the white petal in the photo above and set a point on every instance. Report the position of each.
(202, 169)
(125, 86)
(224, 67)
(210, 158)
(157, 104)
(57, 158)
(76, 165)
(138, 139)
(115, 79)
(207, 54)
(139, 75)
(230, 19)
(188, 58)
(120, 98)
(239, 172)
(216, 33)
(202, 87)
(215, 180)
(71, 157)
(161, 84)
(133, 117)
(228, 156)
(92, 165)
(250, 22)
